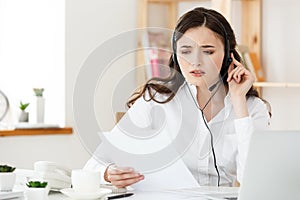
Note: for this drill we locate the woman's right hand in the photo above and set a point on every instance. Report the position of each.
(122, 176)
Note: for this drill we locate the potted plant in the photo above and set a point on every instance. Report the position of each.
(36, 190)
(38, 92)
(7, 178)
(40, 104)
(24, 115)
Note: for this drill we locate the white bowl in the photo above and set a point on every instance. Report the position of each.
(7, 181)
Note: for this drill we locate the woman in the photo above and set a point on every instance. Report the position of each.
(205, 66)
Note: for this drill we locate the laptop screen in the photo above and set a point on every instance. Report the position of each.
(273, 166)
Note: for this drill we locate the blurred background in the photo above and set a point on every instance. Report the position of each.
(44, 43)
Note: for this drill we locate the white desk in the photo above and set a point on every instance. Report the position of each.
(140, 196)
(136, 196)
(189, 194)
(200, 193)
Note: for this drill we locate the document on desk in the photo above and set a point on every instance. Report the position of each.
(141, 155)
(176, 176)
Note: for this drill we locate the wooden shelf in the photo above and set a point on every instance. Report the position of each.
(276, 84)
(40, 131)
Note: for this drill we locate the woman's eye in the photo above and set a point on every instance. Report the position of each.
(208, 52)
(185, 52)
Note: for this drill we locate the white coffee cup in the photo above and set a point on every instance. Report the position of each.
(85, 181)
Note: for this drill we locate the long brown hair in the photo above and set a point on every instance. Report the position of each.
(169, 86)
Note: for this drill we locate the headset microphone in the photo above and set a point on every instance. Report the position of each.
(212, 87)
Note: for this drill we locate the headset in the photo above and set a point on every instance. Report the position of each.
(227, 60)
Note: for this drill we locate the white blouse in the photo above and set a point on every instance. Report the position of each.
(180, 116)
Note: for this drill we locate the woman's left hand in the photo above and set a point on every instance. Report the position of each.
(239, 79)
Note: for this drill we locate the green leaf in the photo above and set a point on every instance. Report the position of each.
(6, 168)
(36, 184)
(38, 91)
(23, 106)
(44, 184)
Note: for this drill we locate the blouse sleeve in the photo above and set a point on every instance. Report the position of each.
(258, 119)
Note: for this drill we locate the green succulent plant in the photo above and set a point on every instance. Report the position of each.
(36, 184)
(38, 92)
(6, 168)
(23, 106)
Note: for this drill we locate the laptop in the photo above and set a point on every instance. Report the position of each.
(272, 170)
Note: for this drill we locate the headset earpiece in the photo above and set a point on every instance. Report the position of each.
(229, 61)
(174, 57)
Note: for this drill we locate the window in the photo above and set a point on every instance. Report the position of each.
(32, 54)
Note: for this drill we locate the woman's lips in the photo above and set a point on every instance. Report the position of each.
(197, 73)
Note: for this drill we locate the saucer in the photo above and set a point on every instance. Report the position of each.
(70, 192)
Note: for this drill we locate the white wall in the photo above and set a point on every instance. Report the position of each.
(23, 151)
(281, 30)
(89, 24)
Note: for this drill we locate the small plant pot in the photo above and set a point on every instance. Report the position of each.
(40, 109)
(7, 181)
(24, 116)
(36, 193)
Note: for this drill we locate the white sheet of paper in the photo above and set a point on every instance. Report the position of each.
(175, 176)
